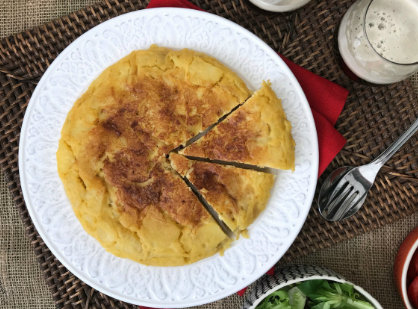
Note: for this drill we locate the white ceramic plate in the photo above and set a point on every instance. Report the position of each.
(70, 75)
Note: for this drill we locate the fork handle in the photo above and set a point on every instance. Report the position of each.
(392, 149)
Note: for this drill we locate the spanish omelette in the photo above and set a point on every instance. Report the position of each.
(112, 154)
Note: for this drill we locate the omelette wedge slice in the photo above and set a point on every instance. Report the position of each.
(237, 195)
(257, 133)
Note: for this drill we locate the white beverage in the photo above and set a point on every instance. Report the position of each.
(378, 40)
(279, 5)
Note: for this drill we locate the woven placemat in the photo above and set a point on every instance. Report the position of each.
(372, 119)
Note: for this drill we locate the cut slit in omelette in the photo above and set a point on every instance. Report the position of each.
(237, 195)
(257, 133)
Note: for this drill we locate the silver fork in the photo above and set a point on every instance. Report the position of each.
(344, 191)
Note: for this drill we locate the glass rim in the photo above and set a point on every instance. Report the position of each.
(367, 38)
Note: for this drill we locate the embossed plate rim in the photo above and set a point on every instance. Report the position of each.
(311, 171)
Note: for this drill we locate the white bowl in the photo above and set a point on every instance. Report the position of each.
(279, 5)
(294, 274)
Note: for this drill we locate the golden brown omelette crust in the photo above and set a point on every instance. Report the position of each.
(237, 195)
(257, 133)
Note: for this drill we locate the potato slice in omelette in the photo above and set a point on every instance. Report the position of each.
(256, 133)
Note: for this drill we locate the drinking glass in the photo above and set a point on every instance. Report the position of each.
(378, 40)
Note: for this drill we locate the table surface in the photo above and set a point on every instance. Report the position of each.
(366, 260)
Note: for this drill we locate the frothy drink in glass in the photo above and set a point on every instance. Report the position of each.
(378, 39)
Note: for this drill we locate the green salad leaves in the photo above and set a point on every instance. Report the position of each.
(315, 294)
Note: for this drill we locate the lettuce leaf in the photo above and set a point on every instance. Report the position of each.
(332, 295)
(276, 300)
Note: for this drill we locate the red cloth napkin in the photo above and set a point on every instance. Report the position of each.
(325, 98)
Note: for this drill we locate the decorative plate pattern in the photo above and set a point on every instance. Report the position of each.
(70, 75)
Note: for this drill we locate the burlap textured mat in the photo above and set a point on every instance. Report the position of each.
(373, 117)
